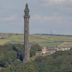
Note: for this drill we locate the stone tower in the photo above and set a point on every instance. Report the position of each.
(26, 35)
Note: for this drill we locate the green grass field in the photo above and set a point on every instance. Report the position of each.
(3, 41)
(50, 40)
(43, 40)
(66, 44)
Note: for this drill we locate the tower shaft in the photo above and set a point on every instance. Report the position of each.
(26, 35)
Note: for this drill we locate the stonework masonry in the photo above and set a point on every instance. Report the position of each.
(26, 35)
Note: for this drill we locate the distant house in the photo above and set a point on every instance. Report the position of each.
(51, 50)
(63, 48)
(44, 50)
(48, 51)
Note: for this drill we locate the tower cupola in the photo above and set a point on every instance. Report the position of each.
(26, 10)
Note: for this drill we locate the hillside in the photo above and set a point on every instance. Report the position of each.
(58, 62)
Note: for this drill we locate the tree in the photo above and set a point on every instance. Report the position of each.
(34, 48)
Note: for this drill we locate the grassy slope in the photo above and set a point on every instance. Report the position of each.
(66, 44)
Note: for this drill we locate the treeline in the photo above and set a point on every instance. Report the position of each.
(54, 35)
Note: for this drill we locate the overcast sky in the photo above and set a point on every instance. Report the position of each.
(46, 16)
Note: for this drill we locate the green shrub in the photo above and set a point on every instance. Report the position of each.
(34, 48)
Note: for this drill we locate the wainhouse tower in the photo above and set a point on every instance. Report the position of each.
(26, 35)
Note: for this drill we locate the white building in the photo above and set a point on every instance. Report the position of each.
(48, 51)
(44, 50)
(63, 49)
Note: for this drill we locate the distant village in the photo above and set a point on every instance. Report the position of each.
(52, 50)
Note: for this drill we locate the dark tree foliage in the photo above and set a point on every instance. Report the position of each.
(19, 51)
(20, 56)
(34, 48)
(14, 48)
(2, 63)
